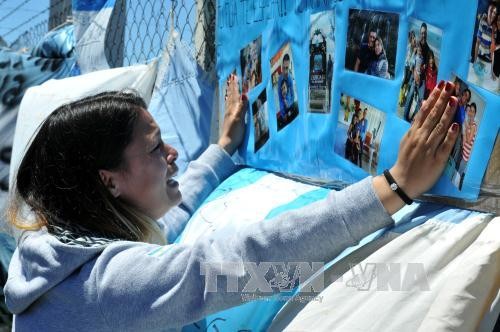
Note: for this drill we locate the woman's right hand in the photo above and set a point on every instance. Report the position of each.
(424, 149)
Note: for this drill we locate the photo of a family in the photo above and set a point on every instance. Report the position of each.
(359, 133)
(321, 51)
(468, 115)
(372, 38)
(251, 69)
(285, 93)
(421, 67)
(260, 121)
(484, 66)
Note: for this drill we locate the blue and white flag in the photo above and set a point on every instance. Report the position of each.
(91, 19)
(182, 101)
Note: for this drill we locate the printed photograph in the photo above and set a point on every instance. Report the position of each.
(468, 115)
(423, 53)
(285, 90)
(260, 120)
(321, 51)
(372, 39)
(484, 66)
(359, 133)
(251, 69)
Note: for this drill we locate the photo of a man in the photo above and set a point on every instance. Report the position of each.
(284, 87)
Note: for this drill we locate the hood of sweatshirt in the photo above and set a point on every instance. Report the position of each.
(42, 260)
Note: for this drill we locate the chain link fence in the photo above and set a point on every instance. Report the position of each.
(138, 30)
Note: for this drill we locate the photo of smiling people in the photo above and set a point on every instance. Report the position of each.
(358, 135)
(260, 121)
(250, 61)
(285, 91)
(421, 67)
(484, 66)
(468, 115)
(372, 39)
(321, 50)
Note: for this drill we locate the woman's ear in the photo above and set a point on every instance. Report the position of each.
(109, 179)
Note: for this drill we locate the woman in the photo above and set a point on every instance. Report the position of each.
(97, 176)
(431, 73)
(379, 66)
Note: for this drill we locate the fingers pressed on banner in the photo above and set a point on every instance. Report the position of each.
(435, 113)
(441, 128)
(444, 150)
(428, 105)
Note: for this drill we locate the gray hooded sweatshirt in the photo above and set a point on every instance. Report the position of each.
(71, 281)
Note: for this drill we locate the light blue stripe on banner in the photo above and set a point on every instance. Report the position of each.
(92, 5)
(302, 200)
(242, 178)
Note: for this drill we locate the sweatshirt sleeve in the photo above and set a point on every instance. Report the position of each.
(177, 284)
(202, 176)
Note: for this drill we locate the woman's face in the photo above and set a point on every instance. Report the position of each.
(146, 181)
(378, 47)
(431, 60)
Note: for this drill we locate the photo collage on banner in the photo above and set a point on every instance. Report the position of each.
(251, 65)
(423, 54)
(321, 52)
(284, 87)
(468, 115)
(359, 133)
(260, 120)
(372, 38)
(303, 55)
(484, 66)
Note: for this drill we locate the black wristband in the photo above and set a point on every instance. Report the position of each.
(395, 187)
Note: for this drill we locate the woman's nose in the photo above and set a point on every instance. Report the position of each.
(172, 154)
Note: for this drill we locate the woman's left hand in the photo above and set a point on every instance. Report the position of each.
(233, 127)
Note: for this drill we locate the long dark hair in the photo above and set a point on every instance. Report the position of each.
(58, 178)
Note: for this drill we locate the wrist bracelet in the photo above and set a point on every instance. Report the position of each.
(395, 187)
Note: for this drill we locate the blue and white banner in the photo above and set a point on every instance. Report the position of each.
(91, 19)
(52, 58)
(182, 101)
(334, 85)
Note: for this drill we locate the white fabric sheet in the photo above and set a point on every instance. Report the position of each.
(439, 276)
